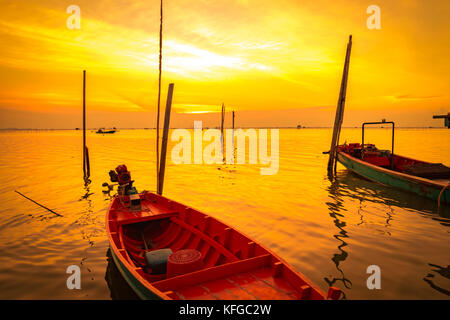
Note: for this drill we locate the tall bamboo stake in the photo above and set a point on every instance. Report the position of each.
(233, 122)
(159, 95)
(84, 124)
(86, 164)
(339, 110)
(221, 128)
(232, 144)
(165, 139)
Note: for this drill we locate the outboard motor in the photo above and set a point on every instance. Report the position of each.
(123, 175)
(125, 188)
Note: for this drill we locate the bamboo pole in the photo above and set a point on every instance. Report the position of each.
(159, 95)
(221, 129)
(84, 124)
(165, 139)
(339, 110)
(38, 203)
(232, 144)
(233, 121)
(86, 165)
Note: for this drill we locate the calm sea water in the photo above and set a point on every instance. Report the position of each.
(329, 230)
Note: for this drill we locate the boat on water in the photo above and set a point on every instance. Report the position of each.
(166, 250)
(106, 131)
(430, 180)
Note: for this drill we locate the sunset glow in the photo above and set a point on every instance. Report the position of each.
(257, 56)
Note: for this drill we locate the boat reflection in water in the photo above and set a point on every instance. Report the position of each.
(347, 186)
(118, 286)
(430, 278)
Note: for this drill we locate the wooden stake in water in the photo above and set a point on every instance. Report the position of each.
(233, 121)
(86, 165)
(165, 139)
(159, 94)
(232, 144)
(221, 128)
(339, 110)
(40, 205)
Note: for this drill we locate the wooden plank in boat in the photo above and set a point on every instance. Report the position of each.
(213, 273)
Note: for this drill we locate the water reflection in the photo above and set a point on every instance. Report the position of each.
(348, 185)
(336, 210)
(86, 219)
(364, 190)
(49, 172)
(118, 286)
(430, 277)
(390, 214)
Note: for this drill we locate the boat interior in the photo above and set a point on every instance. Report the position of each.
(233, 267)
(384, 158)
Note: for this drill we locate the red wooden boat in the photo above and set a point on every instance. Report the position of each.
(195, 256)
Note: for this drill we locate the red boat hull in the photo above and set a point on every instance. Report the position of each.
(234, 266)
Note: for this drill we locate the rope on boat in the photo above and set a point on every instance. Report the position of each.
(440, 195)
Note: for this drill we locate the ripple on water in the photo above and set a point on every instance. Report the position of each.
(329, 230)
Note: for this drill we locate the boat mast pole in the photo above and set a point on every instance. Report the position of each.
(159, 95)
(339, 110)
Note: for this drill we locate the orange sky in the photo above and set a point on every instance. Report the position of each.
(277, 63)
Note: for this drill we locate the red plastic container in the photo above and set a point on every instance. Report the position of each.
(184, 261)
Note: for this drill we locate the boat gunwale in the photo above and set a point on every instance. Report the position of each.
(126, 263)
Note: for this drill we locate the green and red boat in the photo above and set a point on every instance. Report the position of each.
(166, 250)
(430, 180)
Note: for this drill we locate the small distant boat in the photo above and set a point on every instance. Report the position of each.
(166, 250)
(431, 180)
(106, 131)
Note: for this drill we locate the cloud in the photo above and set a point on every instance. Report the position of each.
(412, 97)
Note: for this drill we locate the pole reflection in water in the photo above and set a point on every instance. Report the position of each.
(367, 194)
(88, 231)
(441, 271)
(335, 210)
